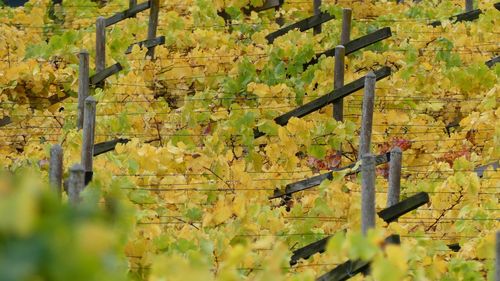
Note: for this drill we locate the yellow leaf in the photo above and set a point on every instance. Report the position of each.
(397, 256)
(239, 206)
(426, 66)
(261, 90)
(440, 264)
(222, 212)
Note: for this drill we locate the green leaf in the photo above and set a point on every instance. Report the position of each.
(269, 127)
(141, 197)
(336, 243)
(360, 247)
(317, 151)
(194, 214)
(133, 166)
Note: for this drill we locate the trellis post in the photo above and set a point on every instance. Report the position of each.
(100, 46)
(56, 169)
(367, 114)
(345, 34)
(83, 85)
(317, 11)
(338, 81)
(88, 137)
(76, 183)
(394, 189)
(469, 5)
(153, 25)
(367, 192)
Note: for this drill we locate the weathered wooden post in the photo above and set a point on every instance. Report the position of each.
(317, 11)
(54, 10)
(367, 192)
(394, 189)
(88, 137)
(83, 85)
(345, 37)
(469, 5)
(100, 46)
(367, 114)
(345, 34)
(368, 160)
(76, 183)
(56, 169)
(132, 3)
(279, 20)
(153, 25)
(338, 81)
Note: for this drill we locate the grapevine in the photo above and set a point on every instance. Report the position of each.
(187, 196)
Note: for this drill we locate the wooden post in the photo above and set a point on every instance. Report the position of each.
(394, 189)
(279, 20)
(338, 81)
(367, 114)
(100, 46)
(345, 35)
(88, 136)
(317, 11)
(132, 3)
(469, 5)
(83, 85)
(367, 192)
(56, 169)
(153, 25)
(56, 4)
(76, 183)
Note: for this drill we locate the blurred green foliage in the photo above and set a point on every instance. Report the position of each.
(43, 239)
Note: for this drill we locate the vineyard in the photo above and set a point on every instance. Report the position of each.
(250, 140)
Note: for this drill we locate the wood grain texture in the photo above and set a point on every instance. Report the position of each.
(75, 183)
(367, 193)
(100, 44)
(345, 33)
(365, 136)
(88, 134)
(56, 169)
(394, 189)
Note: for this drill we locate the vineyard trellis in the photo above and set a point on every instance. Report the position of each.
(80, 175)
